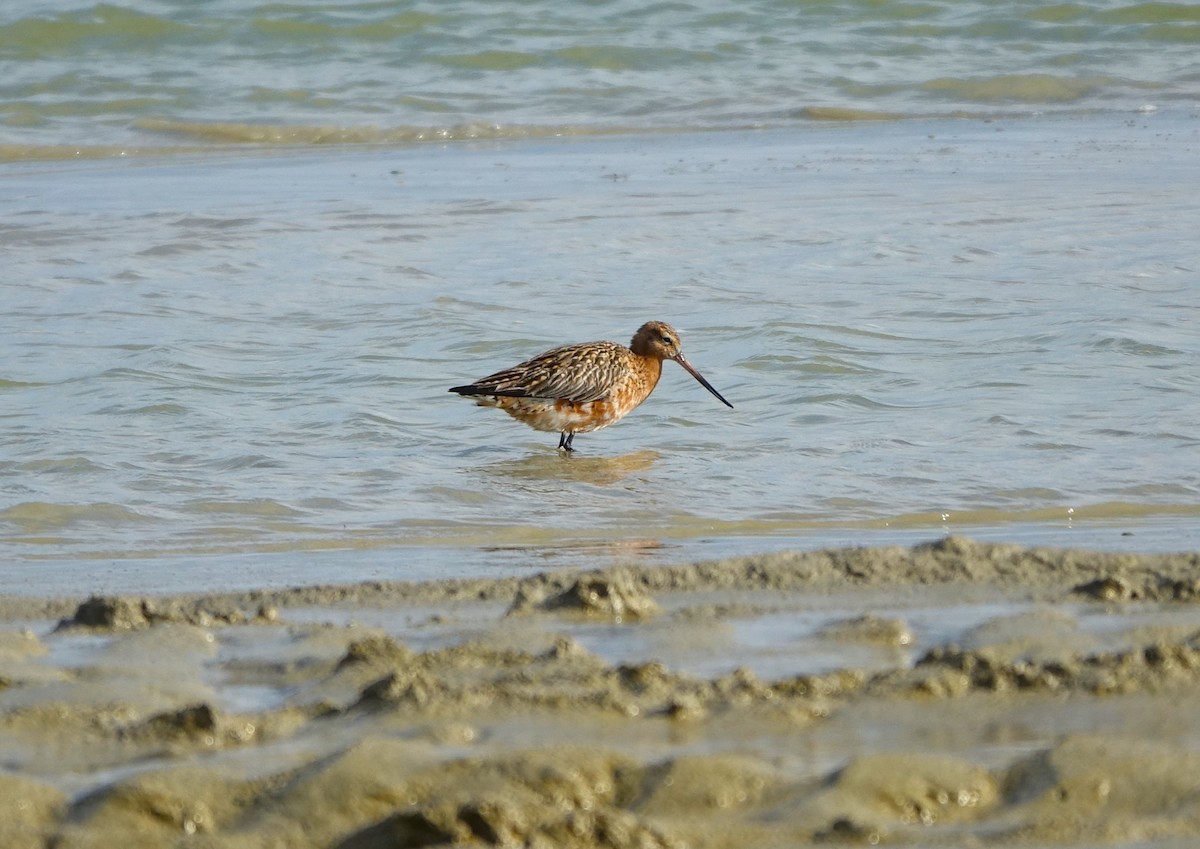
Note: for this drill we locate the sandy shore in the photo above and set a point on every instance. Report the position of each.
(952, 694)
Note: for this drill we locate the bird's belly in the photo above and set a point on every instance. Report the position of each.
(561, 416)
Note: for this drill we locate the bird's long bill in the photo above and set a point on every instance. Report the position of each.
(692, 371)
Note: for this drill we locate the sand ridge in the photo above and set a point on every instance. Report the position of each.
(501, 712)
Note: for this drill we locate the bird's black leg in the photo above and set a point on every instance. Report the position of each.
(564, 441)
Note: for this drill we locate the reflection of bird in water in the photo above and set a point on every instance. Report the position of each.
(581, 388)
(532, 471)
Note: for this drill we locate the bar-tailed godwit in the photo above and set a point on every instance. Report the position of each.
(581, 388)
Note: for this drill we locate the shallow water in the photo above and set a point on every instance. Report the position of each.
(924, 328)
(94, 79)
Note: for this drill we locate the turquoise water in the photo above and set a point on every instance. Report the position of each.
(247, 248)
(104, 78)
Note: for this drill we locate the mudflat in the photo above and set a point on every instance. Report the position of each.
(953, 693)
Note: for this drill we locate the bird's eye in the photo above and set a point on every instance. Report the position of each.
(667, 340)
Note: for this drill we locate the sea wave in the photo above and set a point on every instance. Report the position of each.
(106, 80)
(202, 137)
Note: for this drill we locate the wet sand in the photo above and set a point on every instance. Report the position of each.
(951, 694)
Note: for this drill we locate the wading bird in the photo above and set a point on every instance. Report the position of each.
(581, 388)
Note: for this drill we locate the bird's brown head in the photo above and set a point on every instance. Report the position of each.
(656, 339)
(660, 340)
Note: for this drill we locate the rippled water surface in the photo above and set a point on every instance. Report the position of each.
(922, 326)
(941, 257)
(82, 78)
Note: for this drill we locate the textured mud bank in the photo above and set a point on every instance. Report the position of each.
(952, 694)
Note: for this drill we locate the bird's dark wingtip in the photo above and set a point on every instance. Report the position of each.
(476, 389)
